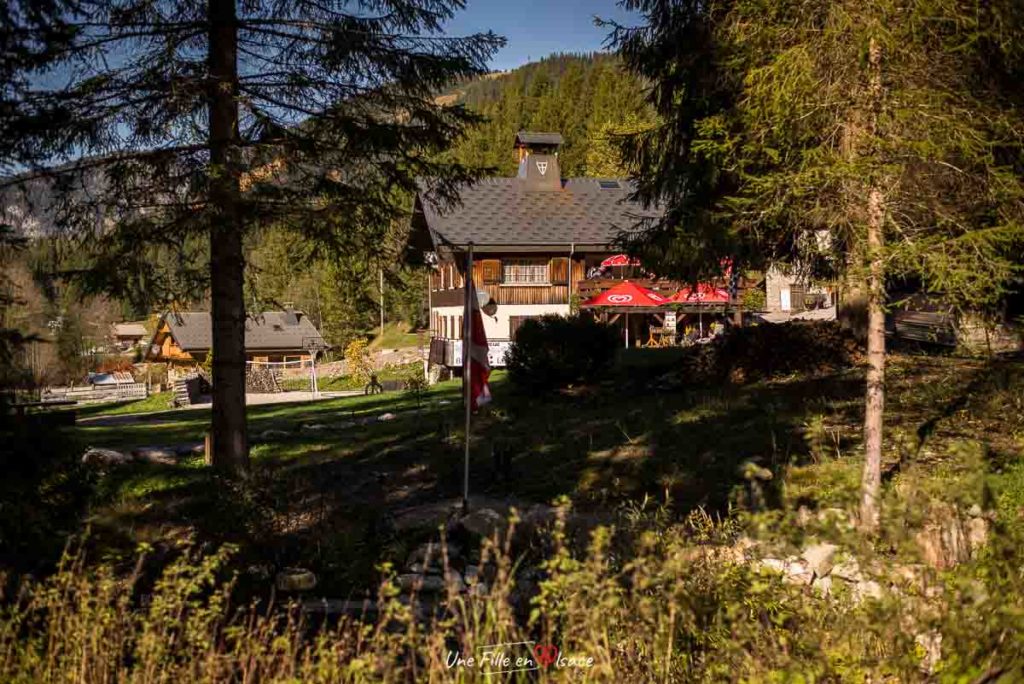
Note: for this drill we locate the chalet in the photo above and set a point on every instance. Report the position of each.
(536, 239)
(184, 339)
(127, 336)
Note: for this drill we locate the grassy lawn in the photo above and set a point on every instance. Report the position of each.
(396, 336)
(346, 382)
(158, 401)
(327, 499)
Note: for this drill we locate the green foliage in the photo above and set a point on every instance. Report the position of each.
(555, 351)
(357, 360)
(772, 137)
(754, 299)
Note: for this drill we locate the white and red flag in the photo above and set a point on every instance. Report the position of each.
(479, 366)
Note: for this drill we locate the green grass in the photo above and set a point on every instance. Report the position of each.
(340, 383)
(396, 336)
(158, 401)
(323, 498)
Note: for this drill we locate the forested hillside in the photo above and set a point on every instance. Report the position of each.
(586, 98)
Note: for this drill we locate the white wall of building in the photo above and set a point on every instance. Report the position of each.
(497, 327)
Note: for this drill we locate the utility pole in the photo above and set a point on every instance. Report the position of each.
(381, 302)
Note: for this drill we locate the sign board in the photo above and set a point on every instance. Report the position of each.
(670, 320)
(496, 351)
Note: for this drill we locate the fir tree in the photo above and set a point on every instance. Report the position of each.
(876, 140)
(185, 122)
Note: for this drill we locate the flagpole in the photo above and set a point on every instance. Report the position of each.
(467, 369)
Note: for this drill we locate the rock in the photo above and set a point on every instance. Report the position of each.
(153, 454)
(295, 579)
(479, 589)
(977, 533)
(364, 609)
(275, 434)
(822, 585)
(867, 589)
(471, 574)
(384, 417)
(930, 643)
(430, 515)
(943, 543)
(483, 522)
(105, 457)
(429, 555)
(803, 516)
(773, 564)
(260, 572)
(314, 427)
(975, 511)
(848, 570)
(189, 449)
(820, 558)
(430, 584)
(454, 580)
(798, 571)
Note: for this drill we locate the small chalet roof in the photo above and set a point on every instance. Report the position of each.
(502, 213)
(129, 330)
(270, 330)
(525, 138)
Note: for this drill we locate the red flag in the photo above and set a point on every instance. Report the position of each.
(480, 368)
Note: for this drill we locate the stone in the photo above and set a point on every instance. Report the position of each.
(471, 574)
(274, 434)
(943, 544)
(260, 572)
(752, 471)
(431, 515)
(848, 570)
(483, 522)
(798, 571)
(867, 589)
(774, 564)
(480, 589)
(189, 449)
(384, 417)
(975, 511)
(429, 555)
(295, 579)
(364, 609)
(314, 427)
(820, 558)
(454, 580)
(930, 645)
(430, 584)
(822, 585)
(152, 454)
(105, 457)
(977, 533)
(803, 516)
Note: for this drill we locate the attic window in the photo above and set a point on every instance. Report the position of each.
(609, 185)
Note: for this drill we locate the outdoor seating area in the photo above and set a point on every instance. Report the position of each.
(648, 319)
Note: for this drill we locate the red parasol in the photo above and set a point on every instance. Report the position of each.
(626, 294)
(704, 294)
(619, 260)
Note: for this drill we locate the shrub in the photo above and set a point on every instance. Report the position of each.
(556, 351)
(357, 360)
(754, 299)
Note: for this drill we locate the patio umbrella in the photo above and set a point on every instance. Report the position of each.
(619, 260)
(625, 295)
(702, 294)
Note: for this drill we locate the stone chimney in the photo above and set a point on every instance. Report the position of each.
(538, 160)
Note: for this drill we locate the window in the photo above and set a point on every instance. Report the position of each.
(609, 185)
(524, 272)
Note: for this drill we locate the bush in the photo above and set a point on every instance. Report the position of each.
(357, 360)
(557, 351)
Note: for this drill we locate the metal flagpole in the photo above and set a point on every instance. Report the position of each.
(467, 369)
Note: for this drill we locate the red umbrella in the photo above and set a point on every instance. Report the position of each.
(704, 294)
(626, 294)
(619, 260)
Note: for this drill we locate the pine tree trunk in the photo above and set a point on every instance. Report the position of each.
(227, 262)
(874, 404)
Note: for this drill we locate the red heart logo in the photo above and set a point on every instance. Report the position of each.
(545, 654)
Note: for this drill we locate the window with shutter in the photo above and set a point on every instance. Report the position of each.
(524, 272)
(491, 270)
(559, 269)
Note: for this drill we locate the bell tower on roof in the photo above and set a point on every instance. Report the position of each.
(537, 154)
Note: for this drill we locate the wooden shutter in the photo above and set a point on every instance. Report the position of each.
(513, 325)
(558, 271)
(490, 270)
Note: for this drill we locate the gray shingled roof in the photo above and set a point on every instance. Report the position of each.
(268, 330)
(538, 138)
(500, 211)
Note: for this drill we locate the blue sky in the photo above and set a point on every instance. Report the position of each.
(536, 28)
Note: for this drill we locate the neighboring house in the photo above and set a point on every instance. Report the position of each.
(790, 294)
(536, 237)
(128, 335)
(184, 338)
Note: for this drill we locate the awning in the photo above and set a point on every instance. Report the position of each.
(619, 260)
(625, 294)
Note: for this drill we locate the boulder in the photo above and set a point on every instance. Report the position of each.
(867, 589)
(155, 454)
(412, 581)
(314, 427)
(977, 533)
(274, 434)
(105, 457)
(483, 522)
(819, 558)
(295, 579)
(848, 570)
(384, 417)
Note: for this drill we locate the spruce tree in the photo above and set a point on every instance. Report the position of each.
(177, 123)
(875, 141)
